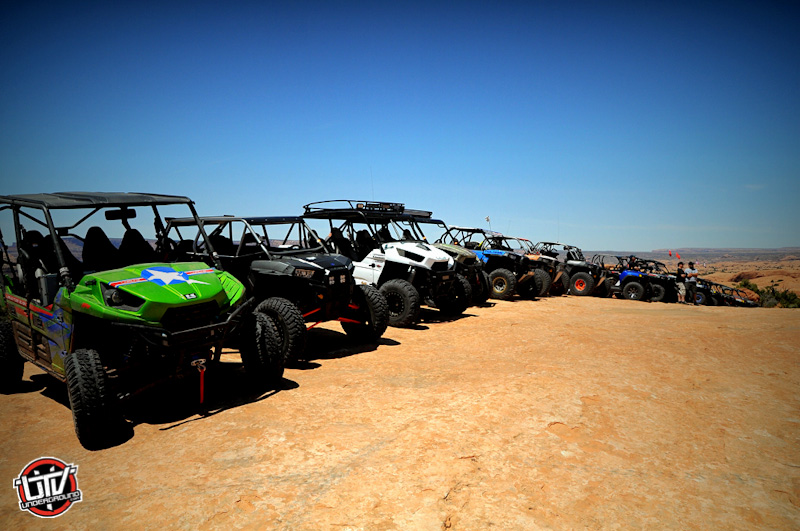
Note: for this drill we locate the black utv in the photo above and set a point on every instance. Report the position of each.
(290, 272)
(578, 275)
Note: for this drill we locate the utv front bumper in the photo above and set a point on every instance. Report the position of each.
(179, 338)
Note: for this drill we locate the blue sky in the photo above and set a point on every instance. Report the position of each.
(608, 125)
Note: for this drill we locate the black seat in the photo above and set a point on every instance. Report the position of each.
(384, 235)
(365, 243)
(99, 254)
(342, 244)
(249, 244)
(32, 248)
(30, 261)
(222, 245)
(134, 249)
(51, 259)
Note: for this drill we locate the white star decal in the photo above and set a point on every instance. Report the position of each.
(169, 277)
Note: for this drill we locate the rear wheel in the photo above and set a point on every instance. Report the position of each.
(503, 283)
(371, 312)
(289, 323)
(602, 289)
(581, 284)
(485, 290)
(633, 291)
(528, 290)
(11, 363)
(543, 281)
(658, 292)
(561, 286)
(94, 407)
(402, 299)
(701, 298)
(260, 349)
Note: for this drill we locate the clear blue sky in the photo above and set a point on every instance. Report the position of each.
(609, 125)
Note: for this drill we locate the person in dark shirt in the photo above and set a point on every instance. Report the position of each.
(680, 279)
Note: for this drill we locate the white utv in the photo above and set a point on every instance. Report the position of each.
(387, 253)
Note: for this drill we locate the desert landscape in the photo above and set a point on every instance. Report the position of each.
(558, 413)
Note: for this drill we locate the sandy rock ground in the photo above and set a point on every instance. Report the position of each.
(559, 413)
(783, 274)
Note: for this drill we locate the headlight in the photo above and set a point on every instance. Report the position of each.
(304, 273)
(121, 299)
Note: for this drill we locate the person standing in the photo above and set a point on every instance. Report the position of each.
(680, 283)
(691, 284)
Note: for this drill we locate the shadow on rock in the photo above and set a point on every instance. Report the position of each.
(435, 316)
(325, 344)
(224, 386)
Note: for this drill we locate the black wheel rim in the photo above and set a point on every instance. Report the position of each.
(396, 304)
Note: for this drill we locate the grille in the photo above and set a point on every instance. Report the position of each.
(185, 317)
(439, 266)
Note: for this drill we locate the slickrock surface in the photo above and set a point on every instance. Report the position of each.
(559, 413)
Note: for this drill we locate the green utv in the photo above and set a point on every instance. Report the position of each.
(122, 318)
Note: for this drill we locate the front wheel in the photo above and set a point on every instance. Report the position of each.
(371, 311)
(290, 325)
(503, 283)
(701, 298)
(458, 299)
(94, 407)
(260, 349)
(633, 291)
(581, 284)
(403, 301)
(11, 363)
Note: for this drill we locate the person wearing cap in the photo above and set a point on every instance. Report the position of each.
(691, 284)
(680, 283)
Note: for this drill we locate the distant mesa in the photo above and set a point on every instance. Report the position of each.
(751, 275)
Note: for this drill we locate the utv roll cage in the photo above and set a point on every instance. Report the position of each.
(551, 249)
(56, 255)
(378, 217)
(251, 241)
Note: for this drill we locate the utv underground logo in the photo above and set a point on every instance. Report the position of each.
(47, 487)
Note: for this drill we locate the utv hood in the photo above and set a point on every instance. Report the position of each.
(146, 291)
(456, 251)
(287, 264)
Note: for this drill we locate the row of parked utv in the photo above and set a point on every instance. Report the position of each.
(112, 317)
